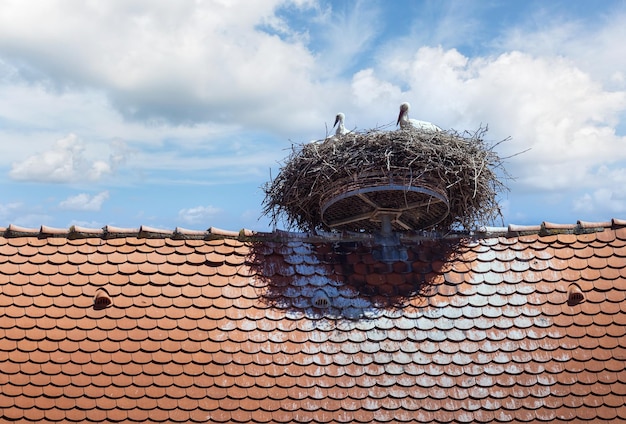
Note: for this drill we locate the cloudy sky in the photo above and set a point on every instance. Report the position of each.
(175, 113)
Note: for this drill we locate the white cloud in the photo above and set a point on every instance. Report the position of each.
(32, 220)
(584, 203)
(181, 62)
(86, 224)
(593, 46)
(64, 163)
(198, 215)
(601, 200)
(119, 154)
(368, 89)
(85, 201)
(608, 192)
(9, 210)
(348, 32)
(546, 104)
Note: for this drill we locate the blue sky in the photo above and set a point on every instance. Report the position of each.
(166, 114)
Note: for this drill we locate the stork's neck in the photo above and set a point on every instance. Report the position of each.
(341, 129)
(404, 119)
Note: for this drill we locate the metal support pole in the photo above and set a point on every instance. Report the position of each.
(385, 225)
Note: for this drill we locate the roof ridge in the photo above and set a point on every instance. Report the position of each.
(144, 231)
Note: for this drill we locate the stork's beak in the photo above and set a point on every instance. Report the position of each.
(336, 122)
(399, 116)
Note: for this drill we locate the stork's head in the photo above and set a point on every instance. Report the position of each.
(339, 118)
(404, 110)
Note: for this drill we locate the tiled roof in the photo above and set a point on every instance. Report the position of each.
(240, 327)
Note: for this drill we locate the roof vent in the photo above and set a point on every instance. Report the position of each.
(575, 295)
(320, 300)
(101, 300)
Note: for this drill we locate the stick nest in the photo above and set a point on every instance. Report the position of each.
(461, 165)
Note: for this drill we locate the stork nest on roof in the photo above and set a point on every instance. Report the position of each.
(463, 166)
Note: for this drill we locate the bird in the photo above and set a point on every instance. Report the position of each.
(341, 129)
(405, 122)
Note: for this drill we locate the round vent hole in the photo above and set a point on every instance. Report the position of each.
(321, 301)
(101, 300)
(575, 296)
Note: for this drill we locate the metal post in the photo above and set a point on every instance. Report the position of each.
(385, 224)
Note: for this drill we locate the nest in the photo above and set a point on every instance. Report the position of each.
(461, 168)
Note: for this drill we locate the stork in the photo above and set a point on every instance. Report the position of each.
(341, 129)
(405, 122)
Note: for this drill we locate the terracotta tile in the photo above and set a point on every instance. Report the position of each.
(607, 414)
(585, 413)
(616, 296)
(32, 414)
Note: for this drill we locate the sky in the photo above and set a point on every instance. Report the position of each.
(176, 113)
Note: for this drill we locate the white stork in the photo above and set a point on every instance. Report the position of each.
(405, 122)
(341, 129)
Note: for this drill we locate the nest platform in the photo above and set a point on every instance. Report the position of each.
(363, 201)
(410, 178)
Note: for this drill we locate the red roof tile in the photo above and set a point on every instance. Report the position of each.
(223, 326)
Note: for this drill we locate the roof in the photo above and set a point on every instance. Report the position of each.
(283, 327)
